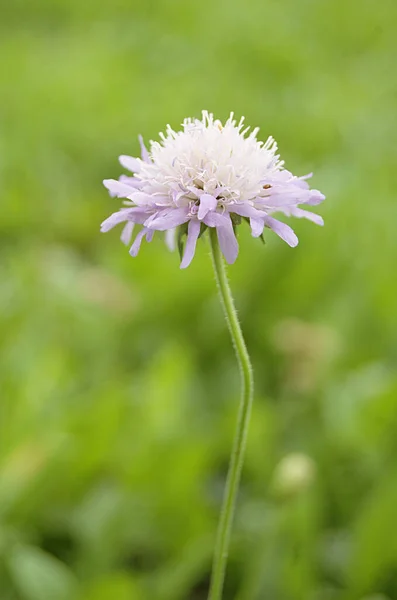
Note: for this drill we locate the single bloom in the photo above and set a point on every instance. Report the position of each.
(208, 175)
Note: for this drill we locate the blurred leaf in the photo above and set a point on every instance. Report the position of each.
(118, 586)
(375, 547)
(39, 576)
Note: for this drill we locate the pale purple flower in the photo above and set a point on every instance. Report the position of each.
(208, 175)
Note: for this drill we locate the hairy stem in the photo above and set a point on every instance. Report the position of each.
(238, 451)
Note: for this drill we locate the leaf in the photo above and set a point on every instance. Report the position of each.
(120, 586)
(373, 529)
(39, 576)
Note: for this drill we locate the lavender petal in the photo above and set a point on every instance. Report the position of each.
(117, 188)
(168, 218)
(190, 247)
(288, 198)
(144, 152)
(170, 239)
(137, 242)
(246, 210)
(257, 226)
(131, 181)
(130, 163)
(141, 199)
(114, 219)
(207, 204)
(299, 213)
(315, 197)
(215, 219)
(149, 235)
(127, 232)
(228, 241)
(282, 230)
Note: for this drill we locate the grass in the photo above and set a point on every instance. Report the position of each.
(119, 385)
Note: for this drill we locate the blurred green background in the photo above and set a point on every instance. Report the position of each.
(119, 384)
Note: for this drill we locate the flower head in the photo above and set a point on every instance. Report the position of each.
(208, 175)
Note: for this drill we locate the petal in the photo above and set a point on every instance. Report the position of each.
(246, 210)
(215, 219)
(257, 226)
(131, 181)
(134, 214)
(301, 181)
(130, 163)
(228, 241)
(192, 235)
(144, 152)
(291, 179)
(117, 188)
(149, 235)
(285, 198)
(226, 237)
(305, 214)
(170, 239)
(315, 198)
(141, 199)
(139, 215)
(168, 218)
(127, 232)
(256, 217)
(282, 230)
(196, 191)
(207, 203)
(114, 219)
(137, 242)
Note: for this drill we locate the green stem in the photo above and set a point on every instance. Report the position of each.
(237, 456)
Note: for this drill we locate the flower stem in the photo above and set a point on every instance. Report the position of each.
(237, 456)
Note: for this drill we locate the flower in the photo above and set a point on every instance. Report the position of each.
(208, 175)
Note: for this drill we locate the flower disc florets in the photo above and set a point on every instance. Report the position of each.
(208, 175)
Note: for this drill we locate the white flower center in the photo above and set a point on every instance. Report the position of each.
(207, 157)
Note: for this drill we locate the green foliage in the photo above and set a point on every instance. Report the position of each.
(119, 385)
(39, 576)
